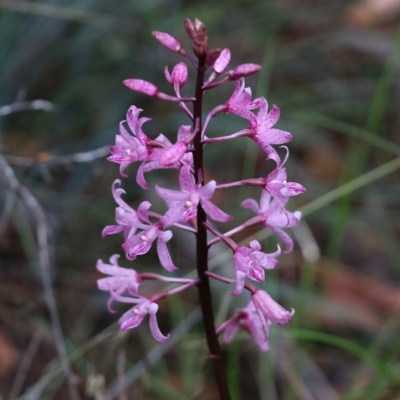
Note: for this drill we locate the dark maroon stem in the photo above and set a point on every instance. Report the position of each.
(202, 248)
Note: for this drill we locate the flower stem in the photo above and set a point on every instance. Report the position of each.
(201, 244)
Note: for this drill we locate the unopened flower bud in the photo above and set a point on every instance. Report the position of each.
(141, 86)
(198, 33)
(243, 70)
(222, 61)
(178, 75)
(190, 29)
(167, 41)
(212, 55)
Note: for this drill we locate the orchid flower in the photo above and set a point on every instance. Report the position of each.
(183, 204)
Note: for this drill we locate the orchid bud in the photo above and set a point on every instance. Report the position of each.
(222, 61)
(167, 41)
(243, 70)
(141, 86)
(198, 33)
(212, 55)
(178, 76)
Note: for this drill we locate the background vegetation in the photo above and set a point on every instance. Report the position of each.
(332, 68)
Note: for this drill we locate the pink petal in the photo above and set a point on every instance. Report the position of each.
(255, 245)
(167, 75)
(276, 136)
(240, 280)
(155, 330)
(272, 117)
(174, 214)
(230, 331)
(130, 320)
(214, 212)
(256, 273)
(171, 195)
(172, 154)
(263, 259)
(270, 309)
(112, 229)
(251, 204)
(164, 256)
(207, 191)
(143, 211)
(285, 238)
(136, 246)
(259, 333)
(283, 219)
(294, 189)
(140, 176)
(264, 201)
(186, 179)
(184, 132)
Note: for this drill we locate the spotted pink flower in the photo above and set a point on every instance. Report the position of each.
(251, 262)
(274, 216)
(183, 204)
(141, 242)
(120, 280)
(240, 103)
(134, 316)
(269, 310)
(246, 319)
(125, 216)
(263, 133)
(130, 148)
(278, 187)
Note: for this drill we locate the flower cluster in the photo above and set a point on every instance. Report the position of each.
(191, 208)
